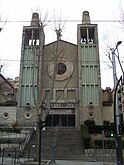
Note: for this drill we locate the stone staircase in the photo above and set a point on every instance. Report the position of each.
(67, 142)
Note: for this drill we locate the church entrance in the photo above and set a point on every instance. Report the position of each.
(62, 120)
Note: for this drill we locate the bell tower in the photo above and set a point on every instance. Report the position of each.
(89, 70)
(30, 65)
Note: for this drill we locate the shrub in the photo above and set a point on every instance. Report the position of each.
(106, 122)
(95, 129)
(89, 122)
(86, 137)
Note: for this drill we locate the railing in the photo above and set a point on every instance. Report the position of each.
(12, 145)
(28, 137)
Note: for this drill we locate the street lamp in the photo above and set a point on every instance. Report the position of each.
(41, 125)
(116, 110)
(118, 43)
(117, 127)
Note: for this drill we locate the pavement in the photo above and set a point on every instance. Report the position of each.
(76, 162)
(79, 162)
(10, 161)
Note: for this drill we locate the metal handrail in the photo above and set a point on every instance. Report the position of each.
(26, 141)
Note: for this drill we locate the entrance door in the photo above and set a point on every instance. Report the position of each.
(60, 120)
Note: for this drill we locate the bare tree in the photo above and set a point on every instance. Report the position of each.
(107, 50)
(2, 25)
(42, 102)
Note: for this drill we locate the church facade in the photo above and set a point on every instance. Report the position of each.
(60, 80)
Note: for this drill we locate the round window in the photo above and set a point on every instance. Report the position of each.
(27, 115)
(91, 115)
(61, 68)
(5, 115)
(64, 69)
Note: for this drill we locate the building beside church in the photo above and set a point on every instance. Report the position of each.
(8, 102)
(61, 78)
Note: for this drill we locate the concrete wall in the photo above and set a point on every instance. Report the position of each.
(108, 113)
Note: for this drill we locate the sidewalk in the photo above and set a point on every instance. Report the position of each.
(10, 161)
(76, 162)
(79, 162)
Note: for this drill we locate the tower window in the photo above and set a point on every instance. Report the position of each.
(91, 38)
(83, 36)
(34, 42)
(87, 35)
(31, 37)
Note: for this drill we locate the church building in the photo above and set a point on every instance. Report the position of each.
(60, 80)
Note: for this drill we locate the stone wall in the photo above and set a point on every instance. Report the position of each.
(102, 154)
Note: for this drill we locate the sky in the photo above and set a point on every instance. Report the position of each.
(17, 13)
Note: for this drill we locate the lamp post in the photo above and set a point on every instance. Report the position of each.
(119, 155)
(41, 125)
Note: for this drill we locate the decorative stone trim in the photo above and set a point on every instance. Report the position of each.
(92, 115)
(5, 115)
(27, 115)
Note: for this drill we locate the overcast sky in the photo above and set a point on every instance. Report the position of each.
(18, 13)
